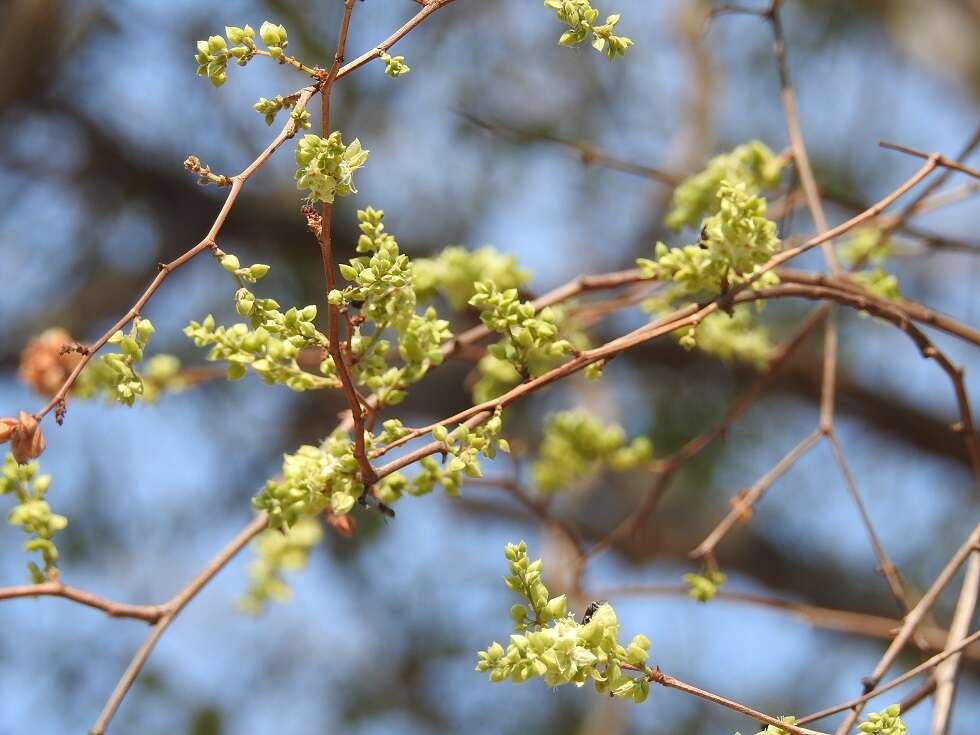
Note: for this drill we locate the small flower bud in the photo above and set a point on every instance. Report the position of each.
(144, 328)
(258, 270)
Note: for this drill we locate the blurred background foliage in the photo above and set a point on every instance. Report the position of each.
(99, 106)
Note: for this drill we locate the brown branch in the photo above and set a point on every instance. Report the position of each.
(912, 620)
(324, 239)
(941, 160)
(147, 613)
(913, 309)
(870, 213)
(237, 182)
(707, 547)
(671, 682)
(170, 611)
(858, 702)
(666, 468)
(844, 621)
(946, 673)
(587, 154)
(892, 313)
(693, 315)
(885, 565)
(919, 201)
(797, 143)
(428, 8)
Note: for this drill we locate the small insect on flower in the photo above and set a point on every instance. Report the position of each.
(591, 610)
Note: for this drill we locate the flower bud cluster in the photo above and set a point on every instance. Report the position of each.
(326, 166)
(549, 643)
(213, 55)
(395, 66)
(774, 730)
(735, 240)
(270, 108)
(115, 374)
(730, 337)
(528, 336)
(32, 513)
(751, 164)
(580, 17)
(462, 449)
(703, 587)
(272, 341)
(313, 479)
(576, 445)
(382, 289)
(886, 722)
(454, 272)
(278, 551)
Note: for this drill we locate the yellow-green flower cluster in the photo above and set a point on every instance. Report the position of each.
(886, 722)
(395, 66)
(213, 55)
(32, 513)
(313, 479)
(160, 373)
(580, 17)
(454, 272)
(703, 587)
(528, 336)
(326, 166)
(866, 245)
(734, 242)
(115, 375)
(382, 280)
(551, 644)
(462, 449)
(278, 551)
(270, 347)
(382, 289)
(576, 445)
(880, 283)
(270, 108)
(730, 337)
(751, 164)
(871, 246)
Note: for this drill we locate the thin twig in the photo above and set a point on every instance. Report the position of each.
(324, 239)
(941, 160)
(147, 613)
(172, 610)
(946, 672)
(707, 547)
(671, 682)
(912, 621)
(843, 621)
(885, 565)
(858, 702)
(165, 269)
